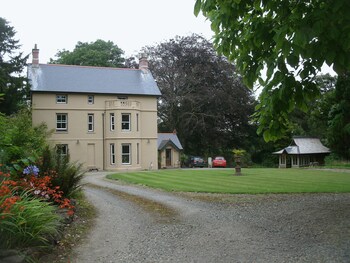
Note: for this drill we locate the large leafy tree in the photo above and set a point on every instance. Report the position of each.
(203, 97)
(339, 123)
(291, 40)
(99, 53)
(13, 90)
(315, 121)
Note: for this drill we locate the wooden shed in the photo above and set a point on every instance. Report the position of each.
(302, 152)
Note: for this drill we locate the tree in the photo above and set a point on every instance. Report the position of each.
(339, 123)
(99, 53)
(13, 87)
(290, 39)
(315, 121)
(203, 97)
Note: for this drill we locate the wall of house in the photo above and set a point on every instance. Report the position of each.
(175, 158)
(93, 147)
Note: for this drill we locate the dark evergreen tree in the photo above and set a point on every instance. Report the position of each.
(13, 89)
(339, 123)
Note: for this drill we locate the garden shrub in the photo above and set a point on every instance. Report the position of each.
(26, 221)
(65, 175)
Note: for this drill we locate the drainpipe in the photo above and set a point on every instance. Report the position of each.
(103, 141)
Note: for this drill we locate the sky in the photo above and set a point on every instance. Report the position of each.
(130, 24)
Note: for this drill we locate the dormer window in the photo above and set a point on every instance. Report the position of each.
(61, 99)
(122, 97)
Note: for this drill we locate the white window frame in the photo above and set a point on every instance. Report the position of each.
(61, 122)
(126, 154)
(62, 149)
(91, 99)
(61, 98)
(111, 122)
(128, 122)
(90, 122)
(112, 153)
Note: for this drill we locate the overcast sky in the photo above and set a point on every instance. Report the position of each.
(130, 24)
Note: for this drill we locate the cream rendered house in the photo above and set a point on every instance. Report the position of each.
(105, 118)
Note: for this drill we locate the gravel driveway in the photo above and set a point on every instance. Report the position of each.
(137, 224)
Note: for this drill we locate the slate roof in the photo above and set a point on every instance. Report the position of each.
(83, 79)
(304, 145)
(165, 138)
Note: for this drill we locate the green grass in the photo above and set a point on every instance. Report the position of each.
(253, 180)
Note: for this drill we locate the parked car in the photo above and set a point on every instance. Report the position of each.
(196, 161)
(219, 161)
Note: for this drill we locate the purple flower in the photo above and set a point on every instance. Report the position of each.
(31, 169)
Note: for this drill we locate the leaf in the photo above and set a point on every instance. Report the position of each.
(17, 167)
(197, 7)
(293, 60)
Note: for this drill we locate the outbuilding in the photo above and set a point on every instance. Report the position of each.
(169, 150)
(302, 152)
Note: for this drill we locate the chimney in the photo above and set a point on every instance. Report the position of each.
(35, 54)
(143, 62)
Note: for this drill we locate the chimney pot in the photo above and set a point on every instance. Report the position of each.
(35, 55)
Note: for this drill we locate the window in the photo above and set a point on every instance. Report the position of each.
(62, 149)
(112, 153)
(90, 122)
(122, 97)
(61, 98)
(283, 159)
(126, 153)
(111, 121)
(90, 99)
(295, 160)
(137, 122)
(126, 122)
(138, 153)
(61, 122)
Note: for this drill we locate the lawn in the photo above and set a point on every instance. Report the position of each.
(253, 180)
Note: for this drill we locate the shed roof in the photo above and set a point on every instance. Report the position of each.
(165, 138)
(304, 145)
(83, 79)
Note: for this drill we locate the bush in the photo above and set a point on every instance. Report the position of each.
(334, 160)
(27, 222)
(65, 175)
(19, 139)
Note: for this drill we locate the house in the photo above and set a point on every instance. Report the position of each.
(169, 150)
(105, 118)
(303, 151)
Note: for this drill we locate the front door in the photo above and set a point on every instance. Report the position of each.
(91, 156)
(167, 157)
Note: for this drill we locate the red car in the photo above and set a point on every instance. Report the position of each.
(219, 161)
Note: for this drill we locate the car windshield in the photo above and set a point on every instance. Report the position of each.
(219, 158)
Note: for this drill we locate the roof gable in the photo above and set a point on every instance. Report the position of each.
(165, 138)
(304, 145)
(82, 79)
(310, 145)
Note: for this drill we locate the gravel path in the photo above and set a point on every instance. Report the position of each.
(137, 224)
